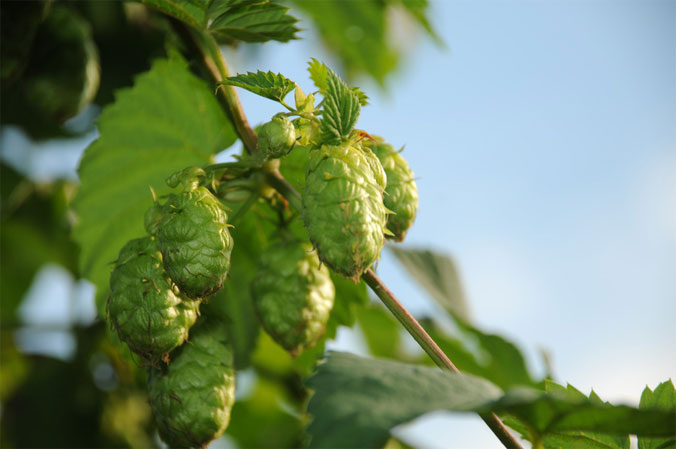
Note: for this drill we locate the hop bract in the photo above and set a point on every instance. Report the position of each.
(192, 397)
(145, 308)
(401, 193)
(293, 295)
(195, 242)
(277, 137)
(343, 207)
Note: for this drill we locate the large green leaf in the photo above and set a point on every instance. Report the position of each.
(664, 397)
(358, 400)
(169, 120)
(233, 20)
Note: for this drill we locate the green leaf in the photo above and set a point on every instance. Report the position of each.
(341, 110)
(381, 331)
(500, 360)
(169, 120)
(233, 20)
(663, 397)
(437, 274)
(266, 84)
(576, 438)
(357, 400)
(557, 410)
(356, 32)
(319, 74)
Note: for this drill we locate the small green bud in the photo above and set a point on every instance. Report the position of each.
(145, 308)
(308, 131)
(192, 397)
(293, 295)
(277, 137)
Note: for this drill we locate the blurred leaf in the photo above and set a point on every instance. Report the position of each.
(266, 84)
(501, 361)
(565, 416)
(61, 76)
(456, 350)
(251, 237)
(34, 231)
(169, 120)
(262, 421)
(663, 397)
(381, 331)
(233, 20)
(437, 274)
(577, 438)
(418, 9)
(20, 21)
(358, 400)
(58, 404)
(127, 26)
(341, 109)
(13, 366)
(356, 32)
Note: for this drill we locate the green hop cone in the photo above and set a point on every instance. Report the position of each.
(195, 242)
(343, 207)
(145, 308)
(401, 193)
(293, 295)
(192, 397)
(277, 137)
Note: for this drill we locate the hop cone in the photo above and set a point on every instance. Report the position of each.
(195, 242)
(343, 207)
(145, 308)
(401, 193)
(191, 398)
(276, 137)
(293, 295)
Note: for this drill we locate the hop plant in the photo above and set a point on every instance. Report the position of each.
(192, 231)
(192, 397)
(401, 193)
(277, 137)
(293, 295)
(343, 207)
(145, 307)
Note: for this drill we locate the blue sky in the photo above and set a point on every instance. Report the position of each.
(544, 140)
